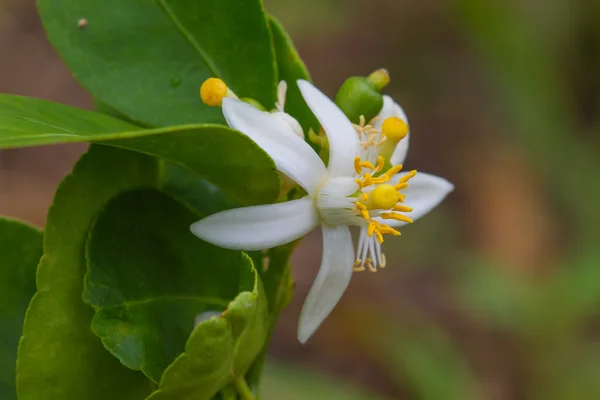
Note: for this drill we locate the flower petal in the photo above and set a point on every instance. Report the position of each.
(343, 140)
(292, 155)
(423, 193)
(393, 109)
(331, 282)
(258, 227)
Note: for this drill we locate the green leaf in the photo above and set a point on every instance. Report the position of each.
(196, 192)
(147, 59)
(222, 156)
(59, 356)
(149, 277)
(20, 253)
(219, 351)
(291, 68)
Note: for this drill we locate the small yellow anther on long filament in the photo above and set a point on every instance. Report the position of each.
(213, 91)
(408, 176)
(394, 128)
(397, 217)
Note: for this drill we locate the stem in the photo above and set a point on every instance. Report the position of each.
(243, 389)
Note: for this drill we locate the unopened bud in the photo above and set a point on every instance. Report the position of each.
(213, 91)
(359, 96)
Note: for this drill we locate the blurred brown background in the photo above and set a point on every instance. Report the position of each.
(492, 296)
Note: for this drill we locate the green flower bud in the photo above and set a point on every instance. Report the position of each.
(360, 95)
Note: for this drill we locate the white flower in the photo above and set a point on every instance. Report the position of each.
(350, 190)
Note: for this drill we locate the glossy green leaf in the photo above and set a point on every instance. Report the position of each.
(291, 68)
(196, 192)
(222, 156)
(20, 253)
(59, 356)
(149, 277)
(147, 59)
(219, 351)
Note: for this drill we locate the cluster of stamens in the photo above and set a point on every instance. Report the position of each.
(368, 135)
(382, 201)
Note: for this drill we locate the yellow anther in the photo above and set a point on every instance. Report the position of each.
(371, 228)
(362, 209)
(380, 164)
(367, 164)
(384, 197)
(394, 170)
(383, 261)
(397, 217)
(369, 264)
(357, 265)
(212, 92)
(408, 176)
(357, 166)
(379, 235)
(401, 186)
(402, 208)
(401, 197)
(387, 230)
(394, 128)
(364, 197)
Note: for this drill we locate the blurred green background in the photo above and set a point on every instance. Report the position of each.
(496, 294)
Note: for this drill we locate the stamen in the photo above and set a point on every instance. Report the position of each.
(370, 265)
(358, 265)
(394, 170)
(362, 209)
(357, 167)
(367, 164)
(402, 208)
(408, 176)
(397, 217)
(380, 163)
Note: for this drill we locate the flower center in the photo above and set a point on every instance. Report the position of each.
(380, 199)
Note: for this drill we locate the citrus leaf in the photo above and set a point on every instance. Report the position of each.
(149, 277)
(59, 356)
(20, 252)
(222, 156)
(147, 59)
(291, 68)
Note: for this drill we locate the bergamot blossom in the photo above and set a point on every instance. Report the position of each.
(352, 190)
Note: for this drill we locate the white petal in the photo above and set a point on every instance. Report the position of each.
(258, 227)
(292, 155)
(331, 282)
(423, 193)
(343, 140)
(393, 109)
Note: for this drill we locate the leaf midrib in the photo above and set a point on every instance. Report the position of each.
(189, 37)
